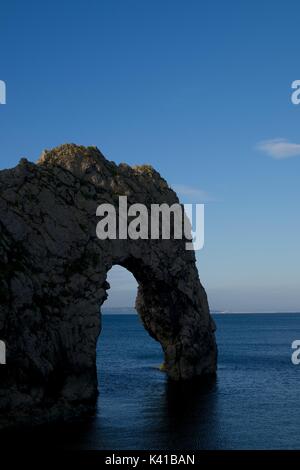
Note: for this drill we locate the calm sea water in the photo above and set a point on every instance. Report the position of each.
(253, 404)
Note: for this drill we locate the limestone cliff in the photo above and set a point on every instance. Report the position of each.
(53, 281)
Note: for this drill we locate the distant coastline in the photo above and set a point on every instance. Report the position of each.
(129, 311)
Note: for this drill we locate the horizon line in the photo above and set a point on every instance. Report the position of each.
(225, 312)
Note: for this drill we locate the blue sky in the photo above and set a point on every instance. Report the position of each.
(191, 87)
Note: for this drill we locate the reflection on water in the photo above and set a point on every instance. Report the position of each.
(182, 416)
(253, 403)
(190, 413)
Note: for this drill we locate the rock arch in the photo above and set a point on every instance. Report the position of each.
(53, 278)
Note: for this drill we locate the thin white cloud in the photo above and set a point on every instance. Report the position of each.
(191, 192)
(279, 149)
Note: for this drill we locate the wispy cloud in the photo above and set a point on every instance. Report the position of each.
(191, 192)
(279, 148)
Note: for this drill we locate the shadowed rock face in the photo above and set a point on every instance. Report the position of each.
(53, 272)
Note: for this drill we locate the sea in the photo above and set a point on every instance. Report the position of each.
(252, 404)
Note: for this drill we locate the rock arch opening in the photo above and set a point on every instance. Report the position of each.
(166, 307)
(125, 351)
(123, 289)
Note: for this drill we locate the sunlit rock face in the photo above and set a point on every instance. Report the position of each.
(53, 272)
